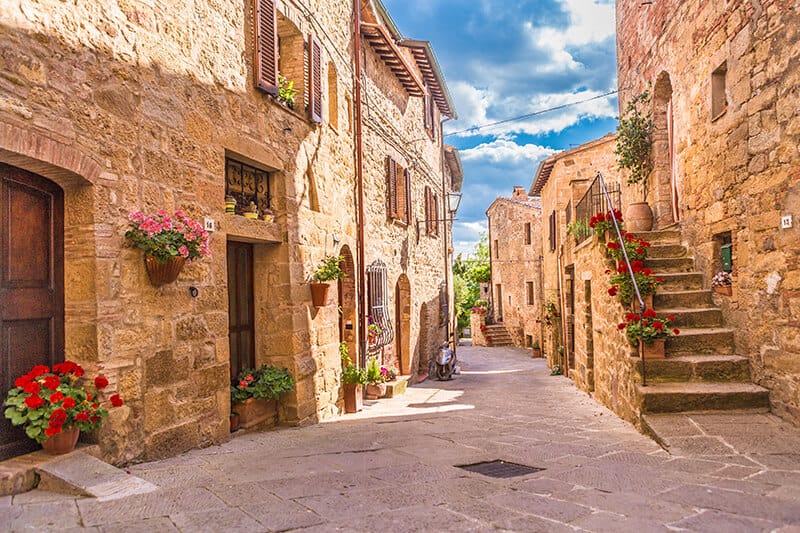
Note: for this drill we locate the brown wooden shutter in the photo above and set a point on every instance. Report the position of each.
(315, 79)
(553, 231)
(266, 46)
(407, 213)
(391, 187)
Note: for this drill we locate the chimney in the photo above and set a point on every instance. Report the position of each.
(520, 193)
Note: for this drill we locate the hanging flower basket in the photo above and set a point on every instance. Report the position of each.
(163, 273)
(727, 290)
(319, 294)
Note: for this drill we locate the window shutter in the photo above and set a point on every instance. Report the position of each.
(391, 187)
(315, 79)
(266, 46)
(408, 196)
(435, 219)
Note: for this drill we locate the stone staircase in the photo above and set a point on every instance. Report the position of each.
(497, 335)
(701, 371)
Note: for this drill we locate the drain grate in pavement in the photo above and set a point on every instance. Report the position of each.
(500, 469)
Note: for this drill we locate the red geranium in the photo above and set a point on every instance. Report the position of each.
(100, 382)
(116, 401)
(52, 382)
(68, 403)
(56, 397)
(612, 291)
(32, 387)
(34, 401)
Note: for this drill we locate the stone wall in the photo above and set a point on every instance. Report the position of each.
(736, 167)
(135, 106)
(515, 263)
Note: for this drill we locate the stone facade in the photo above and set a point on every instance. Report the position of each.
(515, 246)
(725, 84)
(135, 107)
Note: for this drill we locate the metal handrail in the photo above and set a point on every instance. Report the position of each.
(642, 308)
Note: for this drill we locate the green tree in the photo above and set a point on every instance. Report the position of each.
(468, 274)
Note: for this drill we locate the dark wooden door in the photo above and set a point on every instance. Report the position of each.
(31, 285)
(241, 329)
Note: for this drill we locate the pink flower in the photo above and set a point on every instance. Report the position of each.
(184, 251)
(243, 384)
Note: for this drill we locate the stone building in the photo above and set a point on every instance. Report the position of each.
(514, 246)
(561, 181)
(108, 109)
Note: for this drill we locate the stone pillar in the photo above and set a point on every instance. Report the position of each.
(476, 320)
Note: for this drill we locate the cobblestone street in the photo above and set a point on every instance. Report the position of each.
(357, 473)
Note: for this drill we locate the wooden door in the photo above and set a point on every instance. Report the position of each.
(31, 285)
(241, 328)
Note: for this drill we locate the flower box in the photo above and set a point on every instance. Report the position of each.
(727, 290)
(353, 397)
(653, 350)
(256, 411)
(376, 390)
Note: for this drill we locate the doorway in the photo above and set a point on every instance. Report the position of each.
(241, 322)
(499, 303)
(403, 321)
(31, 285)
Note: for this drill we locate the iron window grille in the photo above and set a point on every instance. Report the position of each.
(378, 290)
(592, 203)
(247, 184)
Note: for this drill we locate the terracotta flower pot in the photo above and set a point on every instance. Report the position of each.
(319, 294)
(639, 217)
(234, 422)
(648, 302)
(536, 352)
(353, 397)
(63, 442)
(654, 350)
(727, 290)
(163, 273)
(376, 390)
(254, 411)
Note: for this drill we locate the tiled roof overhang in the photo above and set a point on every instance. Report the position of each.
(542, 175)
(432, 74)
(384, 47)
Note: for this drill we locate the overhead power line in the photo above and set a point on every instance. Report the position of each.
(529, 115)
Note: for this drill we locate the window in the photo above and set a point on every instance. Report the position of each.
(247, 185)
(496, 249)
(431, 213)
(429, 111)
(528, 235)
(719, 100)
(377, 291)
(529, 291)
(398, 191)
(552, 231)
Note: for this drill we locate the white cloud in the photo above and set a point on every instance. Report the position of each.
(466, 234)
(506, 151)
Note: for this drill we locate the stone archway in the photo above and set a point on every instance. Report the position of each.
(347, 303)
(403, 322)
(664, 177)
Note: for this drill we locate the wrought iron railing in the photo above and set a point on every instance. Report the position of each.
(611, 206)
(249, 186)
(379, 316)
(596, 199)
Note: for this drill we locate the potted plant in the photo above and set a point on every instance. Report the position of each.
(622, 286)
(634, 148)
(373, 331)
(286, 92)
(722, 283)
(169, 242)
(254, 393)
(636, 248)
(234, 421)
(329, 270)
(376, 385)
(536, 349)
(603, 224)
(353, 380)
(55, 405)
(649, 332)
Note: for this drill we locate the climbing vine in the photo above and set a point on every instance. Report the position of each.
(634, 144)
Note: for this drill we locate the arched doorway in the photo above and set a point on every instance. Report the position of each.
(31, 285)
(347, 304)
(665, 178)
(402, 300)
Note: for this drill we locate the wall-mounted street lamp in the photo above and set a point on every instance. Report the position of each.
(453, 201)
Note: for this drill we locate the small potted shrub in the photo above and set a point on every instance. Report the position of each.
(649, 332)
(622, 286)
(376, 380)
(169, 242)
(55, 405)
(353, 380)
(722, 283)
(254, 394)
(329, 270)
(536, 349)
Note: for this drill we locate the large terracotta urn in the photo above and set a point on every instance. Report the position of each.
(639, 217)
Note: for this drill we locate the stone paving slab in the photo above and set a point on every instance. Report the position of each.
(392, 467)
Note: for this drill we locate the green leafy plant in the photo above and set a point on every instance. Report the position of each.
(556, 370)
(647, 327)
(286, 91)
(634, 143)
(47, 402)
(636, 248)
(551, 313)
(329, 269)
(267, 382)
(622, 286)
(374, 375)
(350, 372)
(535, 345)
(603, 222)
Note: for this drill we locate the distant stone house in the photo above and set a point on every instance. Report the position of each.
(107, 110)
(514, 246)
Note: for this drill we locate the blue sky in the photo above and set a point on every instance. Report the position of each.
(506, 58)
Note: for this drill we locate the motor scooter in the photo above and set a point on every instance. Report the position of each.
(443, 365)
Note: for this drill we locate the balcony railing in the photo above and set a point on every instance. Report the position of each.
(593, 201)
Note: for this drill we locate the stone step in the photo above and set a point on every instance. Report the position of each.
(18, 474)
(700, 299)
(667, 251)
(696, 341)
(81, 474)
(701, 396)
(681, 281)
(396, 387)
(695, 368)
(669, 236)
(670, 264)
(710, 317)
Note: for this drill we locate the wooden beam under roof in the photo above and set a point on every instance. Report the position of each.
(384, 47)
